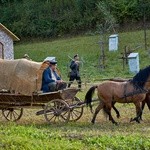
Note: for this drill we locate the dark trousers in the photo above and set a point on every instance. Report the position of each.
(61, 86)
(72, 78)
(57, 86)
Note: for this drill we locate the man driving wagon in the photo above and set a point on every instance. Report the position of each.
(51, 81)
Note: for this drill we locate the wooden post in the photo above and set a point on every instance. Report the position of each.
(144, 26)
(102, 56)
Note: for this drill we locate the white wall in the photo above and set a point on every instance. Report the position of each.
(8, 45)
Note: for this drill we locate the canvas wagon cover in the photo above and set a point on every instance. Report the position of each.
(21, 76)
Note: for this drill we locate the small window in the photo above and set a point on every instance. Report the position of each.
(1, 51)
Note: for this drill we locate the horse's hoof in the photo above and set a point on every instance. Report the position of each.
(115, 123)
(131, 119)
(92, 122)
(118, 116)
(137, 120)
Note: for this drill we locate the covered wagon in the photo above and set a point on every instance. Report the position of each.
(20, 87)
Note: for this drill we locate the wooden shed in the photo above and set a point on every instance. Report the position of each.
(6, 43)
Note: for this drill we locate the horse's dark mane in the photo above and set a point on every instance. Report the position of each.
(141, 77)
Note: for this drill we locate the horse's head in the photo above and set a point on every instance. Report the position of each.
(142, 78)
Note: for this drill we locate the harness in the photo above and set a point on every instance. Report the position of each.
(138, 90)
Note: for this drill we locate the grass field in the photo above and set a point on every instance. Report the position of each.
(89, 50)
(32, 132)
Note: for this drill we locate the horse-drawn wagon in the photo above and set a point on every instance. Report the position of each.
(20, 83)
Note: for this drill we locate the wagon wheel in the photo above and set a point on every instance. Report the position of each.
(12, 114)
(76, 110)
(56, 111)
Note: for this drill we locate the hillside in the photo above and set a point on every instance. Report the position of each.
(88, 49)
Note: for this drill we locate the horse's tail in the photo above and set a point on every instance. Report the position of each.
(88, 97)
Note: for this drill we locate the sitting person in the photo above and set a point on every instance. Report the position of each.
(51, 81)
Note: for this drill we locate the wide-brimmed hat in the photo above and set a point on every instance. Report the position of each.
(52, 60)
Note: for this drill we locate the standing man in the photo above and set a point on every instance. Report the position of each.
(51, 81)
(74, 74)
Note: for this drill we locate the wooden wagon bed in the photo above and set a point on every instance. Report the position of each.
(57, 104)
(18, 99)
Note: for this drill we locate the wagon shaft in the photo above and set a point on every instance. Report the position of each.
(76, 105)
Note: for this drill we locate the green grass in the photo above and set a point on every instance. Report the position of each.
(76, 136)
(89, 50)
(32, 132)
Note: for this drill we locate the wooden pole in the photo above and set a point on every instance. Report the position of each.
(144, 24)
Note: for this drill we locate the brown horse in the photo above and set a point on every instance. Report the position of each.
(145, 101)
(131, 91)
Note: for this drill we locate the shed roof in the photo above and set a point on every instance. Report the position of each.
(133, 55)
(7, 31)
